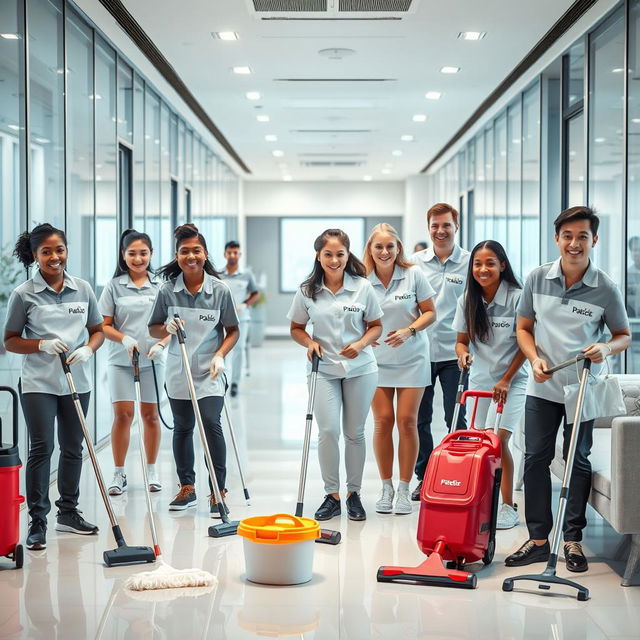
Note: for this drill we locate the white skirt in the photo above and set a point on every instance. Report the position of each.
(399, 376)
(121, 385)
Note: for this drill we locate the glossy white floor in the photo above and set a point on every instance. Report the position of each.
(66, 592)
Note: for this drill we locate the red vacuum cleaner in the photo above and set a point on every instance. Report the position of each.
(10, 498)
(459, 506)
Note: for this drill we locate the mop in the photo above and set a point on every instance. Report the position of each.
(235, 449)
(226, 527)
(123, 554)
(548, 577)
(165, 576)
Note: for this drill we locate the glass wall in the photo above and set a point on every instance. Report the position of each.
(86, 111)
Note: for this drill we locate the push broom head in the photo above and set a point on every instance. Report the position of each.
(224, 529)
(128, 555)
(166, 577)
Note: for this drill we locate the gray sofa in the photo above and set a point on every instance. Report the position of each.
(615, 459)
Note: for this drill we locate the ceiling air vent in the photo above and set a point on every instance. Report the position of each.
(290, 5)
(354, 6)
(323, 164)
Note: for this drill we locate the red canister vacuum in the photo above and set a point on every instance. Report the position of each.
(10, 498)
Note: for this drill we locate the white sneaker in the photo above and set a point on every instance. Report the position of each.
(385, 503)
(154, 483)
(119, 484)
(403, 503)
(507, 517)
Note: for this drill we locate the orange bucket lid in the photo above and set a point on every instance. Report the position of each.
(280, 528)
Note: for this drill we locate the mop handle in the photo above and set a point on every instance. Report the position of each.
(142, 450)
(568, 465)
(196, 411)
(482, 394)
(315, 362)
(567, 363)
(459, 400)
(235, 448)
(92, 452)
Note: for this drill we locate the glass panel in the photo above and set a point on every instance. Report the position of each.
(296, 238)
(606, 166)
(479, 194)
(633, 186)
(576, 161)
(500, 181)
(125, 101)
(138, 152)
(530, 180)
(488, 175)
(173, 146)
(46, 112)
(165, 249)
(514, 185)
(152, 168)
(574, 87)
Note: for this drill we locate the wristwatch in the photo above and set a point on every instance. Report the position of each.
(413, 332)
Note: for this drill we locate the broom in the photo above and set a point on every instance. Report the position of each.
(165, 576)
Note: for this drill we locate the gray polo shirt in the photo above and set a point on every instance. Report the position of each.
(205, 315)
(242, 285)
(129, 306)
(492, 358)
(568, 320)
(40, 313)
(338, 320)
(448, 281)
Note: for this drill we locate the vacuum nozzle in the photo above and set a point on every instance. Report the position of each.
(223, 529)
(128, 555)
(329, 536)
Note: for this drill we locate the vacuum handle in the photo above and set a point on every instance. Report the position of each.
(135, 358)
(315, 362)
(14, 411)
(180, 333)
(65, 365)
(568, 363)
(459, 401)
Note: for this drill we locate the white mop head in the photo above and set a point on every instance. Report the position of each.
(166, 577)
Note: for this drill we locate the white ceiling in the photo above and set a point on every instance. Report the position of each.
(367, 118)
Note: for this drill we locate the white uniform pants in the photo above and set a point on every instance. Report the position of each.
(237, 353)
(345, 400)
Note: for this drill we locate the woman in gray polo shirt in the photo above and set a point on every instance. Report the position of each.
(57, 313)
(205, 306)
(125, 305)
(340, 303)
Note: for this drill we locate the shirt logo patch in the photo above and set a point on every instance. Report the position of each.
(405, 296)
(354, 308)
(208, 318)
(581, 311)
(78, 309)
(454, 279)
(505, 324)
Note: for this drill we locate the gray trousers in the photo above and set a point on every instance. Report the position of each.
(345, 400)
(237, 353)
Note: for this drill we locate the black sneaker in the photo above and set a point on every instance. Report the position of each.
(214, 511)
(328, 509)
(37, 537)
(234, 389)
(73, 522)
(184, 499)
(528, 553)
(574, 557)
(355, 510)
(415, 495)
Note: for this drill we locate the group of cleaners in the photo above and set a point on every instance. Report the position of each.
(386, 329)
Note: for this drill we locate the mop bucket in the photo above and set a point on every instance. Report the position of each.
(278, 549)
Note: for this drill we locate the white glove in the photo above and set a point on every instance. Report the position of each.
(216, 367)
(130, 344)
(80, 355)
(241, 307)
(155, 353)
(172, 326)
(53, 346)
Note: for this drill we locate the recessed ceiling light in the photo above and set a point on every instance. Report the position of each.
(15, 127)
(253, 95)
(600, 140)
(419, 117)
(433, 95)
(386, 171)
(10, 36)
(396, 152)
(449, 69)
(277, 153)
(367, 178)
(471, 35)
(406, 138)
(242, 71)
(617, 70)
(262, 118)
(271, 138)
(45, 141)
(287, 178)
(225, 35)
(635, 120)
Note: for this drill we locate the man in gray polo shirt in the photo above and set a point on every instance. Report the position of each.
(445, 264)
(563, 311)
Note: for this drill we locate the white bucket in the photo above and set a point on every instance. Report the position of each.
(279, 549)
